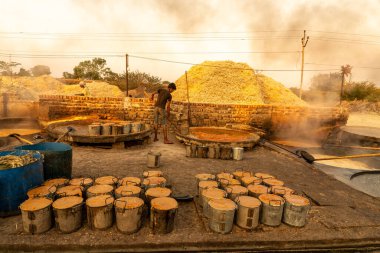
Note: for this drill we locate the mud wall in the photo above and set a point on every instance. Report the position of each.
(273, 118)
(12, 107)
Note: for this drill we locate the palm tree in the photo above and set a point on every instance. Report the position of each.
(345, 71)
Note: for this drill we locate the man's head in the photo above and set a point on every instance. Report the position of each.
(172, 87)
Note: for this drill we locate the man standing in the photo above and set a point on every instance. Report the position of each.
(163, 102)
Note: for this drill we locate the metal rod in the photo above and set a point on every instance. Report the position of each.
(346, 157)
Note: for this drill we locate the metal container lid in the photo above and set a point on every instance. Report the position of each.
(214, 193)
(153, 173)
(241, 174)
(164, 203)
(281, 190)
(41, 191)
(128, 202)
(263, 175)
(67, 202)
(110, 180)
(35, 204)
(258, 188)
(130, 181)
(126, 190)
(251, 180)
(154, 180)
(236, 189)
(222, 204)
(208, 184)
(100, 188)
(70, 190)
(158, 192)
(297, 200)
(205, 176)
(81, 181)
(57, 182)
(271, 199)
(100, 201)
(272, 182)
(248, 201)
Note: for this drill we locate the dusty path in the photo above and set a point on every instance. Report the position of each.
(341, 217)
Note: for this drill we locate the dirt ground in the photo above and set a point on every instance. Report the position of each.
(341, 218)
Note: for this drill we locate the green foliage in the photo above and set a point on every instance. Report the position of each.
(68, 75)
(136, 78)
(361, 91)
(95, 70)
(23, 72)
(6, 67)
(40, 70)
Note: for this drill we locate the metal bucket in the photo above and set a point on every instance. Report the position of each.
(222, 213)
(272, 209)
(248, 212)
(42, 192)
(204, 177)
(234, 191)
(207, 195)
(129, 214)
(150, 182)
(98, 190)
(85, 182)
(95, 129)
(245, 181)
(257, 190)
(107, 128)
(136, 127)
(224, 183)
(239, 174)
(225, 153)
(36, 215)
(237, 153)
(263, 175)
(107, 180)
(295, 210)
(193, 151)
(157, 192)
(57, 182)
(272, 182)
(162, 215)
(281, 190)
(224, 175)
(70, 190)
(127, 191)
(188, 149)
(100, 212)
(153, 159)
(68, 213)
(116, 129)
(202, 151)
(202, 185)
(127, 128)
(213, 152)
(129, 181)
(153, 173)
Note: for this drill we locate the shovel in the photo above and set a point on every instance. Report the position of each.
(341, 157)
(69, 129)
(18, 137)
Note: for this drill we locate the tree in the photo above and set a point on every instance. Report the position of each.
(326, 82)
(67, 75)
(40, 70)
(361, 91)
(6, 67)
(95, 70)
(137, 78)
(23, 72)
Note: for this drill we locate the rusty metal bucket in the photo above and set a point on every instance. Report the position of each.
(248, 212)
(162, 215)
(207, 195)
(36, 215)
(68, 213)
(153, 159)
(100, 212)
(129, 213)
(272, 209)
(202, 185)
(295, 210)
(222, 213)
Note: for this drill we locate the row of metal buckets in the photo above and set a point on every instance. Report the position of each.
(248, 199)
(126, 127)
(128, 207)
(214, 152)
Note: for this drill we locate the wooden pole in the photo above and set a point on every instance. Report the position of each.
(188, 101)
(126, 74)
(346, 157)
(303, 43)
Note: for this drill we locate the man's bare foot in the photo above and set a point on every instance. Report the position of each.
(155, 139)
(168, 142)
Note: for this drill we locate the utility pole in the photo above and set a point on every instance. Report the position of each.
(304, 41)
(126, 74)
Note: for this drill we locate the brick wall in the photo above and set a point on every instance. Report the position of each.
(275, 118)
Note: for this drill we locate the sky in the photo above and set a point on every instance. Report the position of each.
(166, 37)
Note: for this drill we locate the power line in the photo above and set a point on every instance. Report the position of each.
(320, 64)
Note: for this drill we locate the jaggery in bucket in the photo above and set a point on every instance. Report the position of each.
(222, 213)
(42, 191)
(85, 182)
(127, 191)
(107, 180)
(100, 212)
(153, 159)
(129, 181)
(248, 212)
(272, 209)
(157, 192)
(70, 190)
(129, 213)
(207, 195)
(36, 215)
(57, 182)
(101, 189)
(162, 215)
(202, 185)
(295, 210)
(68, 213)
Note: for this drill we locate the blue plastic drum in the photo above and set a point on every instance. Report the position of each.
(14, 183)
